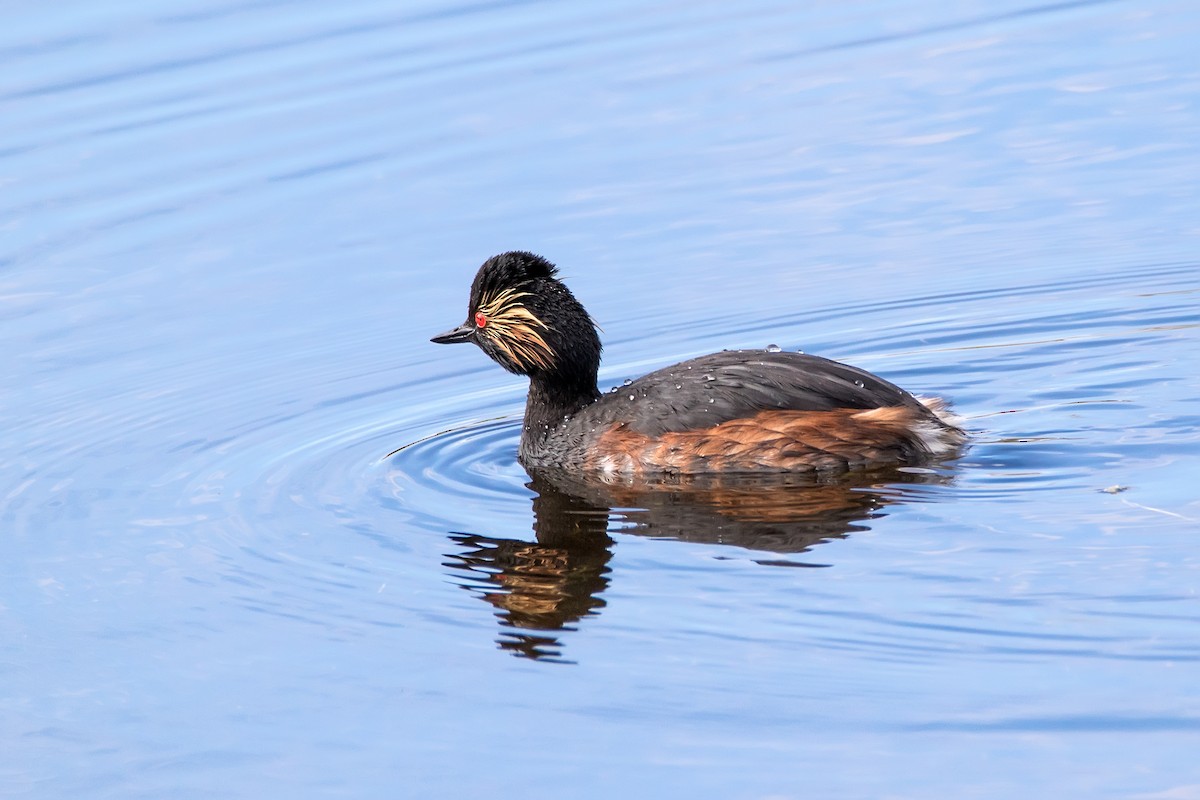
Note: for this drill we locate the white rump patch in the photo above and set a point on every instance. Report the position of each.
(939, 440)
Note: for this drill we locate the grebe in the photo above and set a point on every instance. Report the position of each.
(734, 411)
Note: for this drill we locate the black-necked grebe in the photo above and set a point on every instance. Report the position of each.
(735, 411)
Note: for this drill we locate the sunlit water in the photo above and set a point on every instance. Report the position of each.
(260, 539)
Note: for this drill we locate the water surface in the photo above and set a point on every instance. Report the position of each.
(230, 229)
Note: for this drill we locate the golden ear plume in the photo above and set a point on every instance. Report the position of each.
(515, 329)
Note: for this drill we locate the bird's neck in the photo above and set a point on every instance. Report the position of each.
(552, 401)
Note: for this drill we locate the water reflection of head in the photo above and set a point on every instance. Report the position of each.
(544, 585)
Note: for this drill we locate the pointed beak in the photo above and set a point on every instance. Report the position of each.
(463, 333)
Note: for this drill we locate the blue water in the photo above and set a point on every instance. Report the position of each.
(259, 538)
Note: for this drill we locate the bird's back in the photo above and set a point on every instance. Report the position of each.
(750, 410)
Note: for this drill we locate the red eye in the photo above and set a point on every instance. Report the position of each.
(480, 320)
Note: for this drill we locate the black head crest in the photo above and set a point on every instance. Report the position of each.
(509, 271)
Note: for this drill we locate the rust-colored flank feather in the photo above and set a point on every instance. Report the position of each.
(788, 441)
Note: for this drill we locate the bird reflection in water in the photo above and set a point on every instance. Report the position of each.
(545, 586)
